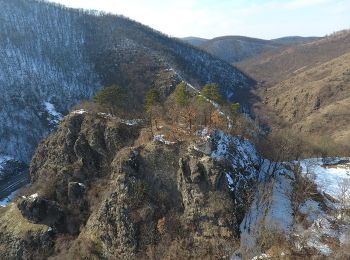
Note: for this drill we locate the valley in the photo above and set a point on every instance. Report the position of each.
(235, 49)
(305, 88)
(120, 142)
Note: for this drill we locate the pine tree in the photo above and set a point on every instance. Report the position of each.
(182, 95)
(183, 100)
(152, 100)
(113, 98)
(234, 110)
(212, 92)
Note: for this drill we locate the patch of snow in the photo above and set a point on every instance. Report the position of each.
(192, 87)
(161, 139)
(5, 201)
(54, 116)
(33, 196)
(239, 151)
(311, 209)
(271, 208)
(79, 112)
(262, 256)
(229, 180)
(3, 160)
(319, 246)
(327, 177)
(105, 115)
(132, 122)
(319, 225)
(344, 237)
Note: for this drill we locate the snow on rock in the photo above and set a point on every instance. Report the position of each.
(79, 112)
(105, 115)
(271, 210)
(327, 173)
(161, 139)
(239, 151)
(262, 256)
(33, 196)
(272, 206)
(319, 225)
(82, 185)
(242, 156)
(322, 221)
(132, 122)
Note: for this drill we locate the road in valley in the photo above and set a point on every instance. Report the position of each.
(13, 183)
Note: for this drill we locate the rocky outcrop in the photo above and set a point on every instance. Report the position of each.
(40, 210)
(121, 201)
(153, 202)
(22, 239)
(84, 140)
(206, 197)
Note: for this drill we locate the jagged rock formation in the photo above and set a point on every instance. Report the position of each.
(21, 239)
(120, 196)
(52, 57)
(102, 189)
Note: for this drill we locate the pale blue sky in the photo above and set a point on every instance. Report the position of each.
(210, 18)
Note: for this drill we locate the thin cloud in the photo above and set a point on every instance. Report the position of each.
(210, 18)
(297, 4)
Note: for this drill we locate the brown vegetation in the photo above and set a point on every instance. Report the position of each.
(306, 88)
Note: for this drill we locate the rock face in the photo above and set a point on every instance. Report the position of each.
(155, 201)
(113, 198)
(206, 197)
(102, 190)
(40, 210)
(21, 239)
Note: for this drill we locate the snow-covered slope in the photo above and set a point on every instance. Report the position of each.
(329, 173)
(274, 219)
(3, 160)
(41, 60)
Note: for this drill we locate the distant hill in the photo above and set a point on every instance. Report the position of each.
(239, 48)
(307, 87)
(274, 66)
(294, 39)
(195, 41)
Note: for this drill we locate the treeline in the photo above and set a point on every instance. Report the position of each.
(186, 107)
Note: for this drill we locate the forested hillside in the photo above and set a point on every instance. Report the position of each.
(52, 57)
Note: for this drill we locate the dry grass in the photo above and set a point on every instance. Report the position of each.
(280, 64)
(12, 220)
(315, 102)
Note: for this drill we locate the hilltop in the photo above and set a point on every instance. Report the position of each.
(235, 49)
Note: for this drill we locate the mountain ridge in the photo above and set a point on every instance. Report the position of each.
(235, 49)
(50, 53)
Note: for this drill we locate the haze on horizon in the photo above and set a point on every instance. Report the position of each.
(266, 19)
